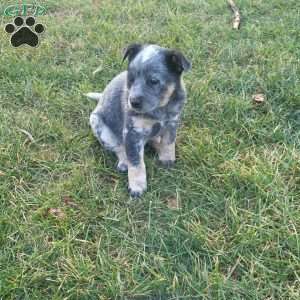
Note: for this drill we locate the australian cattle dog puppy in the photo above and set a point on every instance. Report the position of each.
(141, 105)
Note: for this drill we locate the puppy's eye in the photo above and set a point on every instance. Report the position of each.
(154, 81)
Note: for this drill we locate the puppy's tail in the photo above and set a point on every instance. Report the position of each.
(94, 96)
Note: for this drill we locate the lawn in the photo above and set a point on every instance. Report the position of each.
(224, 223)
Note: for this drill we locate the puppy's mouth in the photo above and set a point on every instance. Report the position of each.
(139, 109)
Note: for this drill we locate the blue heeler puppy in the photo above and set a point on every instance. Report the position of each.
(140, 105)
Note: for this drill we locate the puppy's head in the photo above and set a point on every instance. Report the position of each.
(153, 75)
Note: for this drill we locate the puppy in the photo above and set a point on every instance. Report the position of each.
(140, 105)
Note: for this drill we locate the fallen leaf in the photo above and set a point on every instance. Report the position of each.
(2, 173)
(57, 213)
(69, 201)
(258, 98)
(173, 203)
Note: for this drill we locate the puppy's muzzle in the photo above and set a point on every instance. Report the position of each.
(136, 102)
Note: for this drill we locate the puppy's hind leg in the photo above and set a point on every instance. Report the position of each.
(103, 133)
(109, 141)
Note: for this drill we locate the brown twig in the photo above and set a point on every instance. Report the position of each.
(236, 14)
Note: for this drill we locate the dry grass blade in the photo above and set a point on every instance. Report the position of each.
(236, 14)
(231, 270)
(99, 69)
(30, 137)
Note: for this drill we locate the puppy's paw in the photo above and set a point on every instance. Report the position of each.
(136, 193)
(167, 163)
(137, 181)
(136, 190)
(122, 167)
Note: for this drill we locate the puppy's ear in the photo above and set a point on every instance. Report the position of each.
(131, 51)
(177, 62)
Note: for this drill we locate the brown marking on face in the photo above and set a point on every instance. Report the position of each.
(167, 95)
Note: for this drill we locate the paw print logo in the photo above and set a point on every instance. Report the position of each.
(24, 31)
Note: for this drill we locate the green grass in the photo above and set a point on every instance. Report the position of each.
(236, 181)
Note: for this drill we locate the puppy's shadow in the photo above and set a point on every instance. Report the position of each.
(110, 158)
(101, 153)
(150, 151)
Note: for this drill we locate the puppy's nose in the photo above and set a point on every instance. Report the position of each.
(136, 102)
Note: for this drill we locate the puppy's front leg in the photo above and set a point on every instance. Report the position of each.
(134, 145)
(166, 147)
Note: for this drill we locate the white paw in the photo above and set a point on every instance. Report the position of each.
(135, 193)
(137, 186)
